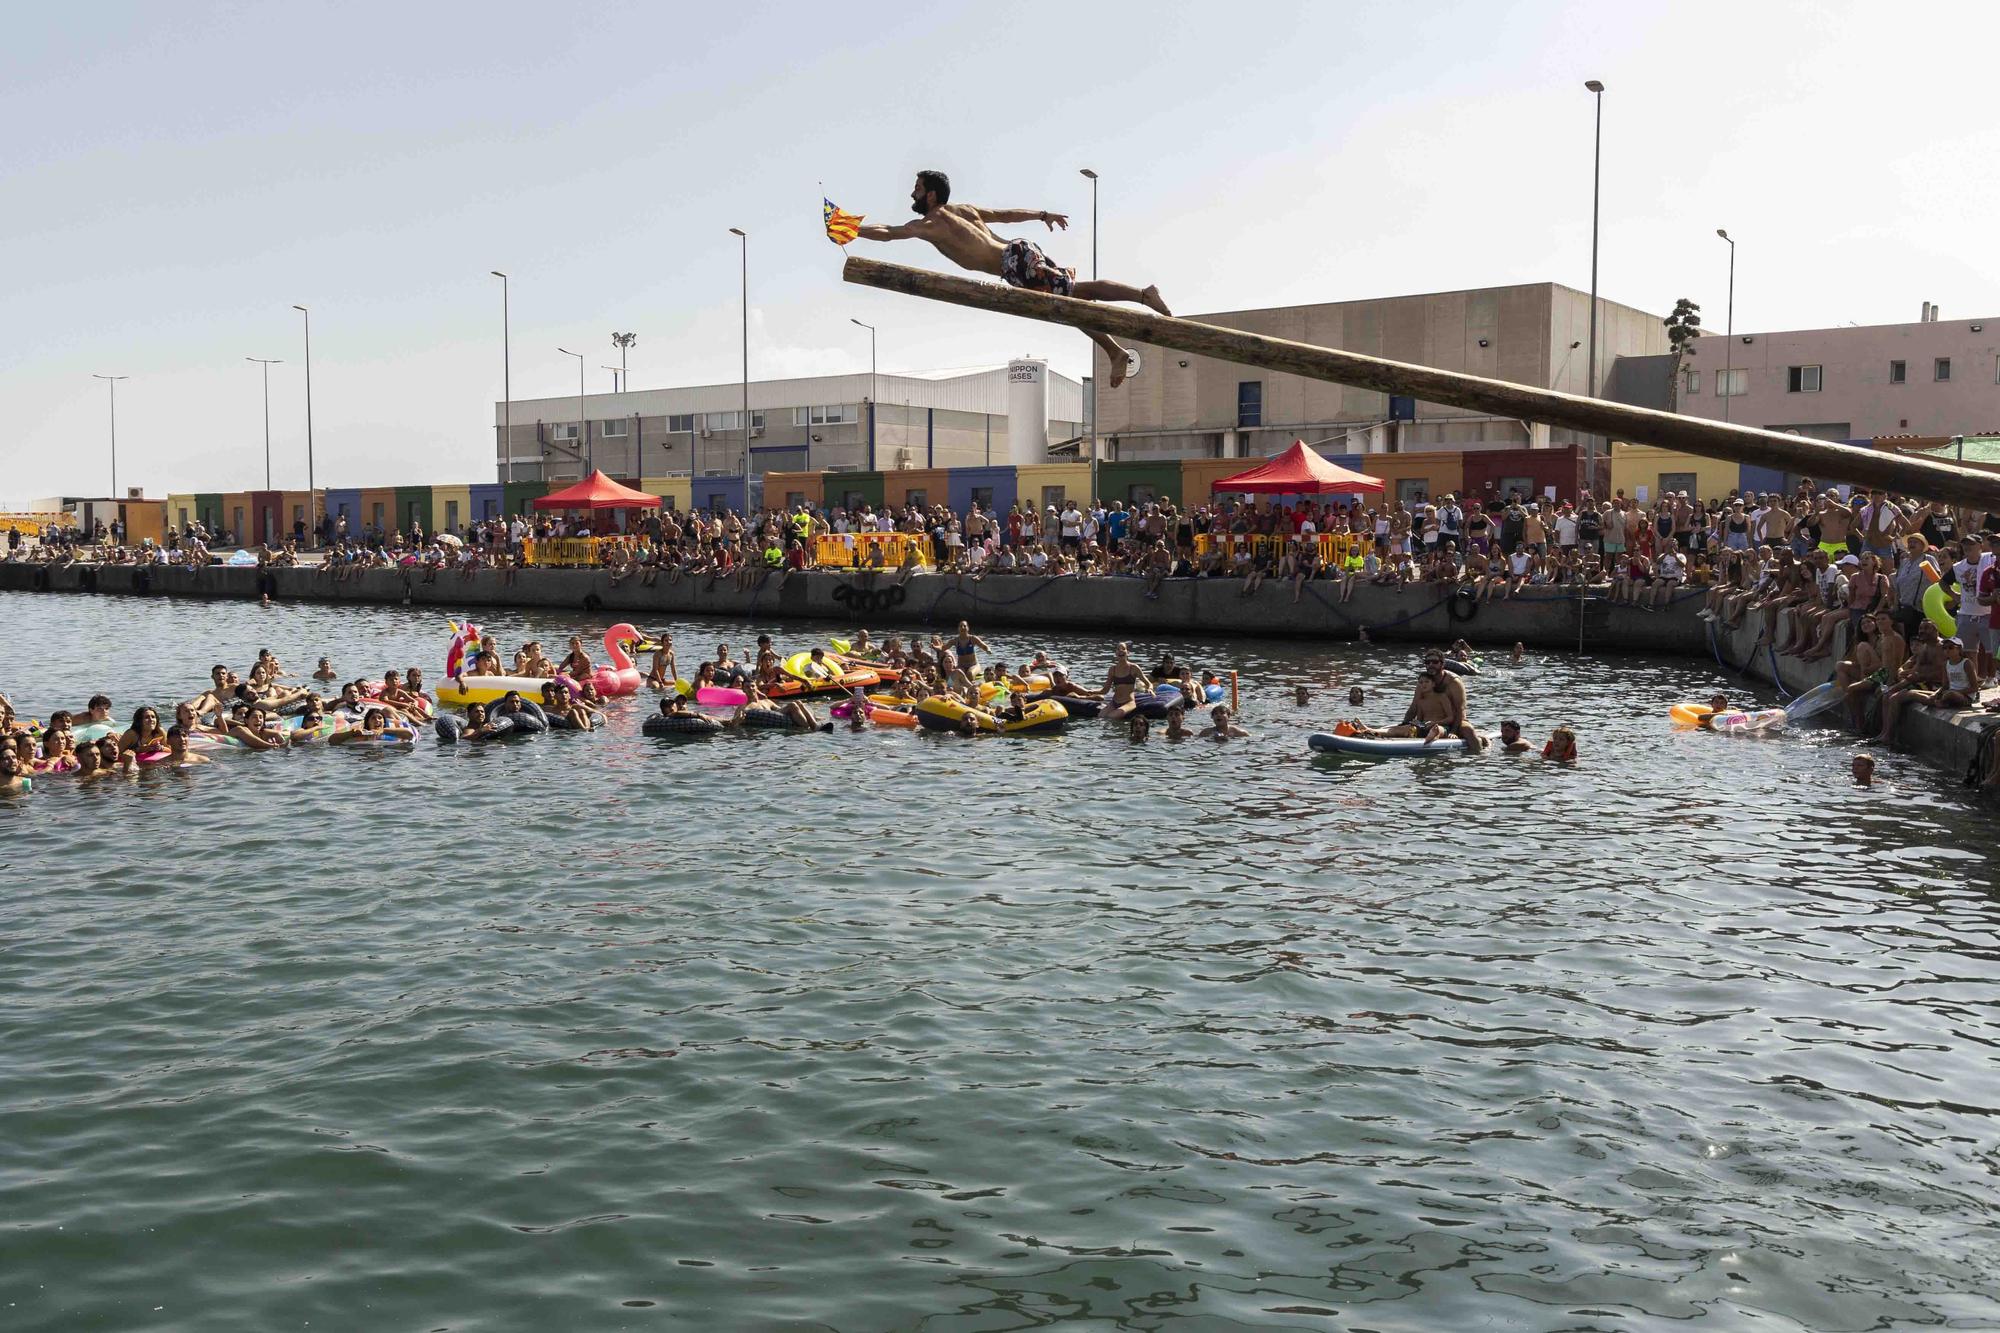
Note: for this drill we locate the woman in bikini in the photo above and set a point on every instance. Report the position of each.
(144, 737)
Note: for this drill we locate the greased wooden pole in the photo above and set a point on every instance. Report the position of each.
(1923, 477)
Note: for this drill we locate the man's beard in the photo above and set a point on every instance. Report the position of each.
(920, 208)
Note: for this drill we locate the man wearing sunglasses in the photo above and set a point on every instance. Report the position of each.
(1447, 701)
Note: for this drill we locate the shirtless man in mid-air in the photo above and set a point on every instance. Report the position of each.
(960, 233)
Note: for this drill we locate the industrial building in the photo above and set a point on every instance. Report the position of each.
(1186, 406)
(984, 416)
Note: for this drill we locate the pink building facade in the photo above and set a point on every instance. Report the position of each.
(1940, 377)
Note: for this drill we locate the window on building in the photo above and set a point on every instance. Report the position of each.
(1250, 403)
(839, 414)
(917, 496)
(1054, 497)
(683, 423)
(618, 428)
(983, 496)
(732, 421)
(852, 501)
(1673, 483)
(566, 432)
(1411, 490)
(1899, 372)
(1941, 369)
(1732, 383)
(793, 499)
(1690, 382)
(1802, 379)
(451, 516)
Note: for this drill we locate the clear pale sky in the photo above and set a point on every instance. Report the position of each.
(174, 178)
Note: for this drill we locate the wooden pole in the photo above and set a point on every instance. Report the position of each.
(1925, 478)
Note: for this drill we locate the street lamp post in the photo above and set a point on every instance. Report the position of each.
(1729, 334)
(1090, 430)
(506, 385)
(266, 364)
(582, 426)
(873, 390)
(623, 342)
(312, 494)
(744, 236)
(111, 383)
(1596, 177)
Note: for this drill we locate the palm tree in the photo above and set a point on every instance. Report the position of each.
(1683, 327)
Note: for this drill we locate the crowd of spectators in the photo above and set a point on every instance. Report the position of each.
(1817, 558)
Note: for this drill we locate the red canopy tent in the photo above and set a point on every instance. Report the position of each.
(1298, 471)
(598, 491)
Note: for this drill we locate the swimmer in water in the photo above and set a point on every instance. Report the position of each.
(13, 781)
(1718, 704)
(326, 671)
(1221, 728)
(664, 670)
(1520, 654)
(1177, 723)
(144, 737)
(1356, 696)
(178, 754)
(112, 759)
(1862, 766)
(1561, 748)
(1303, 696)
(1510, 738)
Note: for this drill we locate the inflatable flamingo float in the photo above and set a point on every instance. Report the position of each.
(622, 676)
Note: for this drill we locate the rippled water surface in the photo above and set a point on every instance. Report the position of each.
(893, 1031)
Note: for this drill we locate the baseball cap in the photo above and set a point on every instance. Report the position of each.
(1849, 559)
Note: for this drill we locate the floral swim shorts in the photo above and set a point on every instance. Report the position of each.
(1024, 265)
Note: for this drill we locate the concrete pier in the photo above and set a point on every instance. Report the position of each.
(1193, 608)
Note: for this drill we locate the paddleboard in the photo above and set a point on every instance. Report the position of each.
(1404, 746)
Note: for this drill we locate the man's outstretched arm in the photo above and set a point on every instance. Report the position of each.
(869, 231)
(1054, 220)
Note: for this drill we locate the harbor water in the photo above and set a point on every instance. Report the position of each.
(893, 1030)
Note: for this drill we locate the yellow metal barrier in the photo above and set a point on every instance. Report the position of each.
(562, 550)
(30, 524)
(870, 550)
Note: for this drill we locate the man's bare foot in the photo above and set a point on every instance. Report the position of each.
(1151, 296)
(1120, 361)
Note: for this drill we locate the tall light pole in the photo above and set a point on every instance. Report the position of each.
(1729, 334)
(873, 390)
(1091, 428)
(623, 342)
(506, 386)
(582, 426)
(1596, 176)
(266, 364)
(111, 383)
(312, 493)
(744, 236)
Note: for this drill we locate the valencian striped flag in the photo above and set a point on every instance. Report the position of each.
(840, 227)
